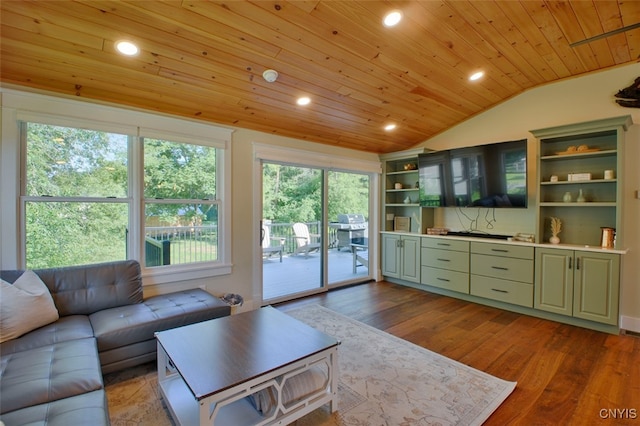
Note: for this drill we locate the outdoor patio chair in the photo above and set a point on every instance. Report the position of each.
(303, 239)
(271, 245)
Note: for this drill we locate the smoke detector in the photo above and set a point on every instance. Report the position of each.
(270, 75)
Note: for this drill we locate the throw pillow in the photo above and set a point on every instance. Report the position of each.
(25, 306)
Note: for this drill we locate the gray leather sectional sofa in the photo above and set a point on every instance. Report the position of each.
(53, 374)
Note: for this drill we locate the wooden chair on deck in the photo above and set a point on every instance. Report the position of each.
(271, 245)
(303, 239)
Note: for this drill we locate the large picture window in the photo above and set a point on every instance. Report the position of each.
(81, 199)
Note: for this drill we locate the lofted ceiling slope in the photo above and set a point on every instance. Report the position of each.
(204, 60)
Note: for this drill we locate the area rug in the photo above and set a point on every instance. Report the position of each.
(384, 380)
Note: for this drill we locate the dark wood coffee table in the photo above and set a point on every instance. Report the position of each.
(206, 370)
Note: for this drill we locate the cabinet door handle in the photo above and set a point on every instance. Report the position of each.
(443, 244)
(570, 259)
(501, 268)
(500, 250)
(499, 290)
(577, 263)
(443, 260)
(443, 279)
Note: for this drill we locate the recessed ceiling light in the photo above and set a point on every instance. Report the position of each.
(303, 101)
(392, 18)
(127, 48)
(389, 127)
(476, 75)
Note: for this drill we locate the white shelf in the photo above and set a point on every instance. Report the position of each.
(580, 155)
(402, 172)
(576, 204)
(579, 182)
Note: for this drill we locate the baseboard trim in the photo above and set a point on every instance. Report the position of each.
(630, 323)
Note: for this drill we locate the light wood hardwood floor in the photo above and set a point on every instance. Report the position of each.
(566, 375)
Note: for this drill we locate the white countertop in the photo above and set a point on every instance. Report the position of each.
(501, 241)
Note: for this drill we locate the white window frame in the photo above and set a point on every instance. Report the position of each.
(21, 106)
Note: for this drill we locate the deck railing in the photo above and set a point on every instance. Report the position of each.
(188, 244)
(285, 230)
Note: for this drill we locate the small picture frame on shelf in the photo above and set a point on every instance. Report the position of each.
(402, 224)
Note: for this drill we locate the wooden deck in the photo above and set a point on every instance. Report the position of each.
(299, 274)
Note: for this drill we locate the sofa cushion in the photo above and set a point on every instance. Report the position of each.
(125, 325)
(85, 289)
(48, 373)
(24, 306)
(66, 328)
(81, 410)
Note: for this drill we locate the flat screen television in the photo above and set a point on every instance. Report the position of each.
(493, 175)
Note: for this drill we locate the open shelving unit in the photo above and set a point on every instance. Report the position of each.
(584, 148)
(402, 168)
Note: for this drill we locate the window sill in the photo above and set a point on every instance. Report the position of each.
(166, 275)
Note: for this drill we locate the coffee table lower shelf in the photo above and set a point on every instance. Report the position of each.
(185, 410)
(231, 407)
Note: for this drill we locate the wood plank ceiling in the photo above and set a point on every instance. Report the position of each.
(204, 60)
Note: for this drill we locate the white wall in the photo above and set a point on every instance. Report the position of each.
(570, 101)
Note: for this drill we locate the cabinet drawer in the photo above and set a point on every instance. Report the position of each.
(505, 268)
(445, 259)
(445, 243)
(450, 280)
(503, 290)
(506, 250)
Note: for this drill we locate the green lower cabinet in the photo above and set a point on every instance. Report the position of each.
(401, 257)
(582, 284)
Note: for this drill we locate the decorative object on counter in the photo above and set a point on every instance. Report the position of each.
(525, 238)
(437, 231)
(407, 200)
(609, 174)
(410, 166)
(567, 198)
(581, 198)
(398, 185)
(556, 228)
(553, 178)
(608, 237)
(402, 224)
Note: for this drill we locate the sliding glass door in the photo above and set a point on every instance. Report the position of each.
(291, 230)
(314, 229)
(348, 231)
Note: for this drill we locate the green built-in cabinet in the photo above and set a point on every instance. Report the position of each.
(572, 282)
(445, 264)
(502, 272)
(401, 256)
(568, 151)
(582, 284)
(401, 169)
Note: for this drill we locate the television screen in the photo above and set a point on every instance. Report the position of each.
(493, 175)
